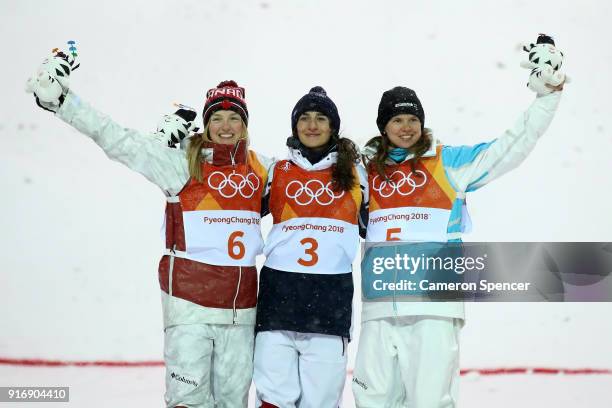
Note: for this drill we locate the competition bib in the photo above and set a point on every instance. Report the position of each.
(312, 245)
(408, 224)
(315, 227)
(219, 218)
(223, 237)
(410, 203)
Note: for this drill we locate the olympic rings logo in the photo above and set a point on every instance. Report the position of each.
(315, 190)
(404, 185)
(229, 186)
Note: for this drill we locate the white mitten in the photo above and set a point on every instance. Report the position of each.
(175, 127)
(52, 79)
(545, 62)
(541, 76)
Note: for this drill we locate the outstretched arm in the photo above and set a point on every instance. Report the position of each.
(167, 168)
(471, 167)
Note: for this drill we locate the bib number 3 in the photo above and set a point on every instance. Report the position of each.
(310, 251)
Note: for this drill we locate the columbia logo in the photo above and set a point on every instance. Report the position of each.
(183, 379)
(360, 383)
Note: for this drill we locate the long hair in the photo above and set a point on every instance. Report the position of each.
(343, 176)
(381, 145)
(194, 151)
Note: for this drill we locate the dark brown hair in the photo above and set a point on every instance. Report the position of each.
(343, 176)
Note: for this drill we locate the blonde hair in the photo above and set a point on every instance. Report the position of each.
(194, 151)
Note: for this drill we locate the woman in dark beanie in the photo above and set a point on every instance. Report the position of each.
(306, 287)
(408, 353)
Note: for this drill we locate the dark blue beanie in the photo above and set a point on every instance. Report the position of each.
(316, 100)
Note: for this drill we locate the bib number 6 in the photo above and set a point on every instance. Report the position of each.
(235, 248)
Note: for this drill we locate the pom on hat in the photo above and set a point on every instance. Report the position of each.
(319, 90)
(228, 84)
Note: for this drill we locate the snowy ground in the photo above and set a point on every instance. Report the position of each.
(144, 387)
(80, 234)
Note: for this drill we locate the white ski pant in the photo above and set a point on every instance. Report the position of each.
(208, 365)
(304, 370)
(407, 362)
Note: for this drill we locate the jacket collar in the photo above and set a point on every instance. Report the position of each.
(224, 154)
(296, 156)
(370, 151)
(431, 152)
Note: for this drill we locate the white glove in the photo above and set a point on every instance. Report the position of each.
(175, 127)
(545, 62)
(540, 77)
(51, 82)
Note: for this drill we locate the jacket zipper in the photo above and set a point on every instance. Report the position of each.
(170, 273)
(235, 313)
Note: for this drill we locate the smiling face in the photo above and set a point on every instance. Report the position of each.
(403, 130)
(225, 127)
(313, 129)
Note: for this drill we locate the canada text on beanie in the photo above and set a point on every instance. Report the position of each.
(397, 101)
(226, 96)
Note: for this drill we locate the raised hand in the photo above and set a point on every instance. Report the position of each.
(545, 62)
(175, 127)
(52, 79)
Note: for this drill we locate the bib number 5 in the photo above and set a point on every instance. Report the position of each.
(310, 251)
(391, 232)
